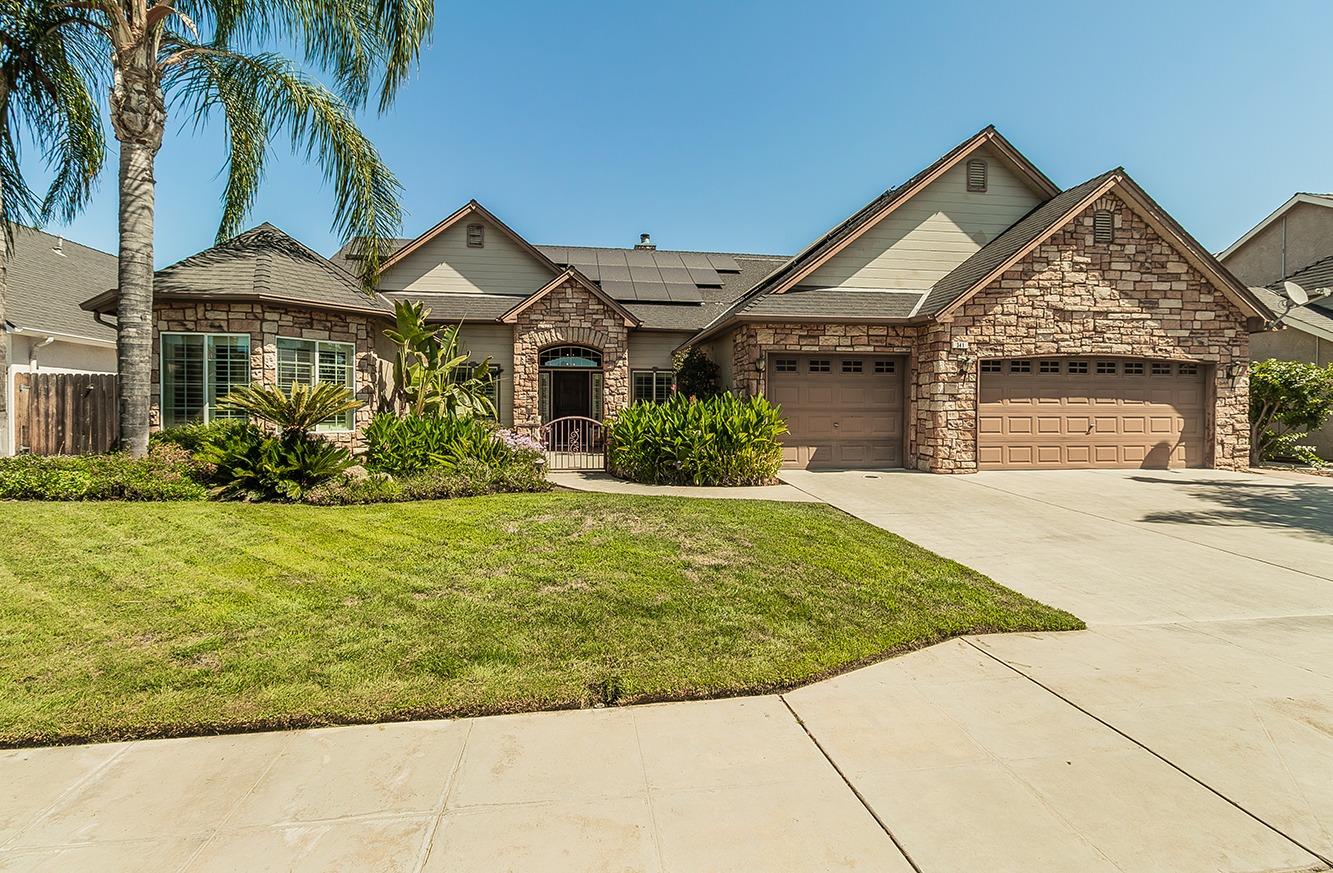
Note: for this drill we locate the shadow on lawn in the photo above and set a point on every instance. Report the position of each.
(1301, 509)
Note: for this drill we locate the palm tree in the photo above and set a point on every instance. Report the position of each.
(46, 65)
(209, 56)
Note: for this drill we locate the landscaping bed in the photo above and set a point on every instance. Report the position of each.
(124, 620)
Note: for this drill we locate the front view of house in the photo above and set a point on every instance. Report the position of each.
(976, 316)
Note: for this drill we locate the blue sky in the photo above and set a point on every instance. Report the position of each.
(754, 126)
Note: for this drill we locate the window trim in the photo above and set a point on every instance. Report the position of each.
(351, 371)
(655, 375)
(162, 369)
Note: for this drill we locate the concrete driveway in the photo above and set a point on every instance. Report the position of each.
(1189, 729)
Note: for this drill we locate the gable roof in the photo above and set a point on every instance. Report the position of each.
(591, 287)
(1006, 250)
(789, 274)
(1299, 197)
(848, 231)
(469, 209)
(47, 276)
(263, 264)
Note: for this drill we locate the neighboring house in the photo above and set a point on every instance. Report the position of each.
(45, 331)
(976, 316)
(1295, 244)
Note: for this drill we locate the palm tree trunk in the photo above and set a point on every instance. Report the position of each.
(138, 114)
(5, 447)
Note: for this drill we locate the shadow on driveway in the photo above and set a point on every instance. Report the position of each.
(1301, 509)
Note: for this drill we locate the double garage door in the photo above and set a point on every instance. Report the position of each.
(841, 411)
(1088, 412)
(1039, 413)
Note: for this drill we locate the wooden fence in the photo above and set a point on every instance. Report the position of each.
(64, 413)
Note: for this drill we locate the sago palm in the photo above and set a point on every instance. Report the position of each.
(296, 411)
(203, 57)
(47, 62)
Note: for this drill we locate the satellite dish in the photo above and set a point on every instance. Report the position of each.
(1295, 293)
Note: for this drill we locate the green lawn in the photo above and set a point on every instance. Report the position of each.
(126, 620)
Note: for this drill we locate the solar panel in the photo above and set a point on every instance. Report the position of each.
(592, 271)
(614, 273)
(675, 275)
(684, 294)
(668, 259)
(724, 263)
(695, 259)
(613, 258)
(618, 290)
(644, 274)
(638, 258)
(706, 277)
(559, 254)
(656, 291)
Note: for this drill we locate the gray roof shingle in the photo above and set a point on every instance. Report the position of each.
(48, 276)
(1308, 319)
(262, 263)
(1316, 275)
(844, 302)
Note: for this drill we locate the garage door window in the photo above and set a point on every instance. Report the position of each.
(1077, 368)
(851, 366)
(1133, 368)
(991, 367)
(1106, 368)
(1189, 369)
(1160, 368)
(1020, 366)
(884, 367)
(1048, 366)
(785, 365)
(820, 366)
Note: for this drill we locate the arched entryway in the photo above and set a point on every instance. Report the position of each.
(570, 382)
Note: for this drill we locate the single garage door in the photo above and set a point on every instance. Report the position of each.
(841, 411)
(1090, 412)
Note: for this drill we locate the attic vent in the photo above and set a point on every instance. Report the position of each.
(976, 176)
(1103, 226)
(476, 236)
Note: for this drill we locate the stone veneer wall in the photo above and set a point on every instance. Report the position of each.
(1136, 296)
(265, 323)
(568, 315)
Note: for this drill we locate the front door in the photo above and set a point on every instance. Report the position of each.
(571, 393)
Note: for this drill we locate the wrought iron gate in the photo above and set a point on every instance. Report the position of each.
(574, 443)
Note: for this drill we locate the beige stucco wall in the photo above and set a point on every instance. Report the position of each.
(650, 349)
(939, 228)
(494, 341)
(1297, 239)
(1295, 345)
(446, 264)
(60, 356)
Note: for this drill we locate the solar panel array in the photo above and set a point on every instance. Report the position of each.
(647, 276)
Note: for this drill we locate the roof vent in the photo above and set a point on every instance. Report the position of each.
(646, 243)
(59, 247)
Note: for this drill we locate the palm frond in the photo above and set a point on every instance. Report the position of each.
(262, 94)
(298, 410)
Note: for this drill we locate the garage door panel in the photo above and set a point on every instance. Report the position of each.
(1053, 415)
(845, 415)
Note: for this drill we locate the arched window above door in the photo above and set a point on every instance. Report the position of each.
(571, 357)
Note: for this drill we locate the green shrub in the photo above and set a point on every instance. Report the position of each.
(167, 473)
(415, 443)
(252, 465)
(192, 436)
(468, 478)
(722, 440)
(1288, 399)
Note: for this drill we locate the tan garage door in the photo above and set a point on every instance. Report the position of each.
(1090, 412)
(842, 411)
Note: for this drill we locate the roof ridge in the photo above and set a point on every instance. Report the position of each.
(262, 280)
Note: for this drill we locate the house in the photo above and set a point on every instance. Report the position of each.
(45, 331)
(976, 316)
(1294, 243)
